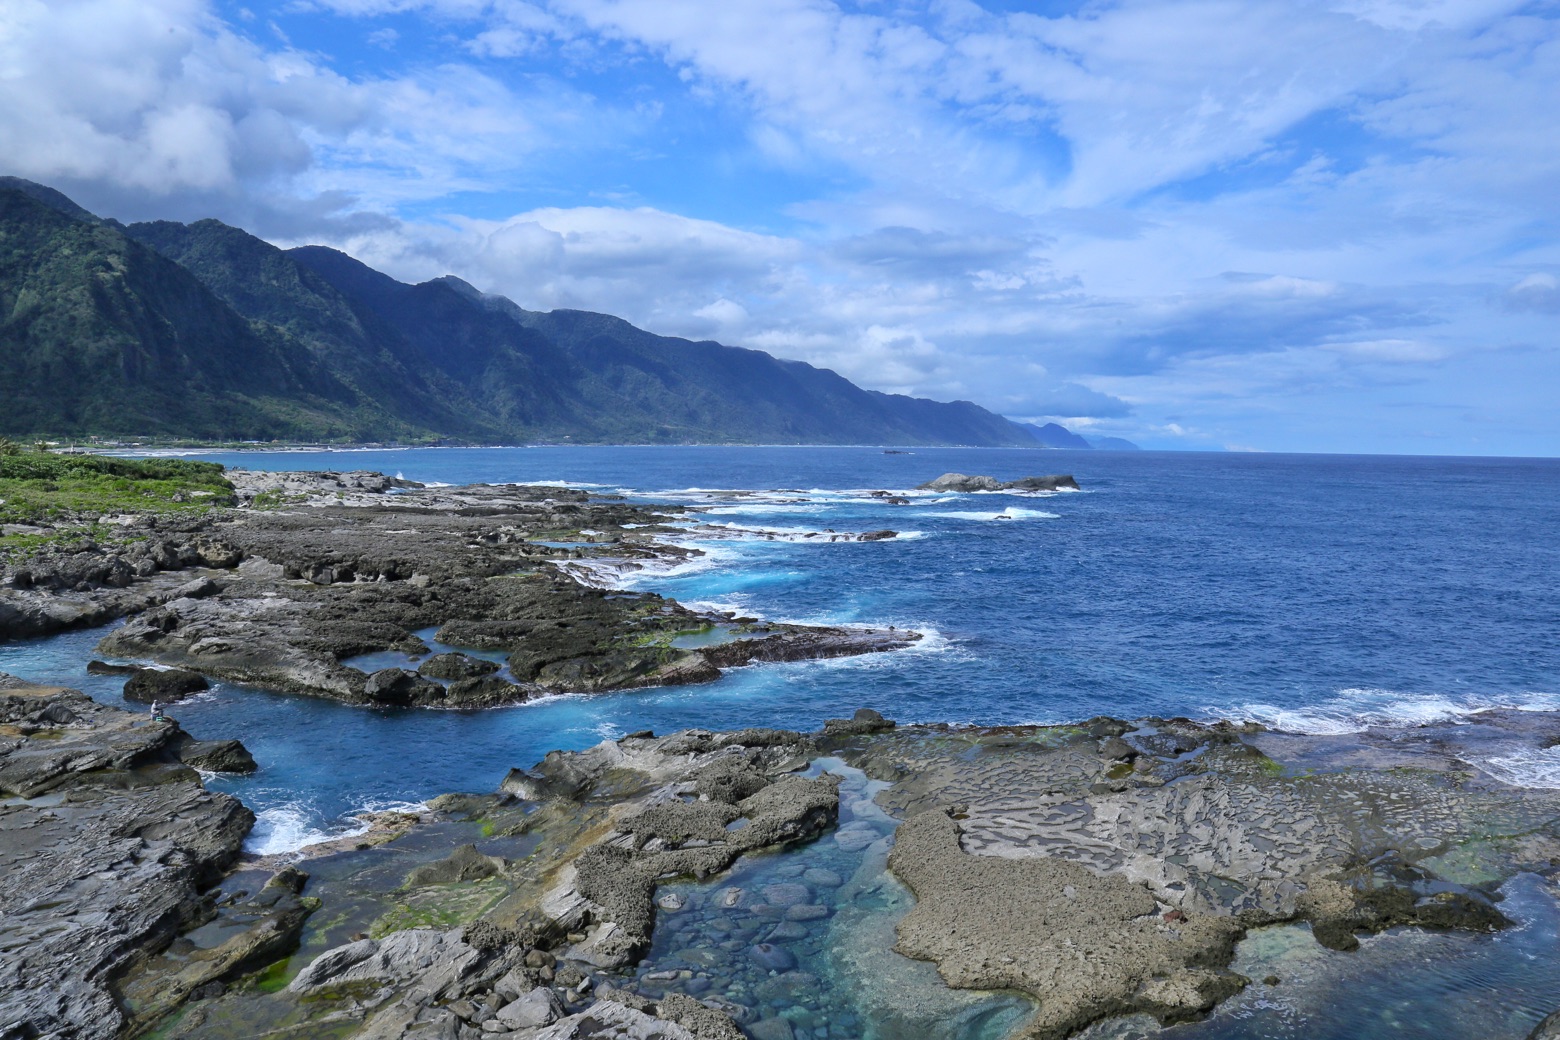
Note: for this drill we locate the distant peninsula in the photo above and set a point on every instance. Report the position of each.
(204, 332)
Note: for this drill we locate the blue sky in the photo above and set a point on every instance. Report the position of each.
(1203, 224)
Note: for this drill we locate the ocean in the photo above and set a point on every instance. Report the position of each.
(1316, 593)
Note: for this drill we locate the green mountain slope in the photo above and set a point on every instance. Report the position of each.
(100, 335)
(394, 394)
(205, 331)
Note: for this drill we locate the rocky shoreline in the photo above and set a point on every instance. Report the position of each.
(1105, 869)
(312, 569)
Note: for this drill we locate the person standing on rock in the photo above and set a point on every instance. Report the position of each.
(156, 712)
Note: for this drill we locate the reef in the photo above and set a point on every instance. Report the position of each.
(721, 885)
(311, 569)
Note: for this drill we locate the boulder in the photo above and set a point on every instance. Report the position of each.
(164, 684)
(217, 756)
(540, 1007)
(864, 721)
(397, 686)
(456, 666)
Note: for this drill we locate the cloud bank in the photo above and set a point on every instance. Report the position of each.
(1308, 226)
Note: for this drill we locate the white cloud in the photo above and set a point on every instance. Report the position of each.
(159, 98)
(1208, 209)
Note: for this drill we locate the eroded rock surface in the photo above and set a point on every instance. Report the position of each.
(318, 568)
(1110, 868)
(107, 841)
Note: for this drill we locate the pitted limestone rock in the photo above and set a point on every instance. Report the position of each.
(1084, 945)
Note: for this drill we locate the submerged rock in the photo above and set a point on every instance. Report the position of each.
(772, 958)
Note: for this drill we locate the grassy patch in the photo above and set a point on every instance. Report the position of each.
(39, 486)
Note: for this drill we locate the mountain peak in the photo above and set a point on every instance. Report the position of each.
(54, 199)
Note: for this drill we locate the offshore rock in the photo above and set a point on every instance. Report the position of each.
(215, 756)
(164, 684)
(961, 483)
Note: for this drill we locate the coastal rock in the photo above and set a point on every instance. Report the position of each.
(539, 1007)
(435, 960)
(995, 923)
(613, 881)
(456, 666)
(109, 872)
(374, 569)
(399, 687)
(866, 720)
(960, 482)
(1548, 1029)
(607, 1018)
(164, 684)
(216, 756)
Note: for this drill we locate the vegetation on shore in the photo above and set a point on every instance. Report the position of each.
(47, 497)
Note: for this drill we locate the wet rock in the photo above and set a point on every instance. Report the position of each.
(1548, 1029)
(821, 877)
(164, 684)
(806, 912)
(786, 894)
(117, 875)
(770, 957)
(864, 721)
(399, 687)
(855, 837)
(771, 1029)
(484, 692)
(456, 666)
(787, 931)
(105, 668)
(216, 756)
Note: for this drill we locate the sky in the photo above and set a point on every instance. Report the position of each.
(1206, 224)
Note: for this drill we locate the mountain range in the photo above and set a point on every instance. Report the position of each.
(203, 331)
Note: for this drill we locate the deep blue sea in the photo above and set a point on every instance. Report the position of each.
(1310, 592)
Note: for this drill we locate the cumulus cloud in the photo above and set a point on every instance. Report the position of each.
(1194, 216)
(158, 108)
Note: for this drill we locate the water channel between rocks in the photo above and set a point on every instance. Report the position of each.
(799, 944)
